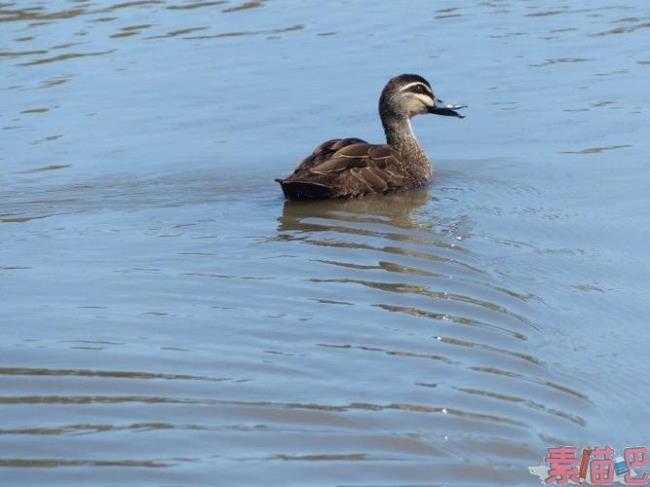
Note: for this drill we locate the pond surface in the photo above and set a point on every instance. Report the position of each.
(168, 319)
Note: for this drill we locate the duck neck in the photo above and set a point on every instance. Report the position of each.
(399, 135)
(399, 132)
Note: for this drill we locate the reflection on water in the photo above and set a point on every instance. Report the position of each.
(426, 271)
(395, 210)
(167, 317)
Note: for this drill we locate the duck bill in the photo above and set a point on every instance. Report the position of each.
(446, 109)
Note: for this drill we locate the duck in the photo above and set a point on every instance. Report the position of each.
(351, 167)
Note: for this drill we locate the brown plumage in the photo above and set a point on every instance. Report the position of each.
(345, 167)
(352, 167)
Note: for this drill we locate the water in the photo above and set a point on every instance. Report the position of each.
(168, 319)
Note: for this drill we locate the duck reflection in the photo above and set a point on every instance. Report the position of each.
(397, 210)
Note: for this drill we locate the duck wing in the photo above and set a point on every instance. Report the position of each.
(345, 167)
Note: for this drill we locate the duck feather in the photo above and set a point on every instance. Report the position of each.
(345, 168)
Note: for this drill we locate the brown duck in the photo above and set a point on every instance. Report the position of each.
(352, 167)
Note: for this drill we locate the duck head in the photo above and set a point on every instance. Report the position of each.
(408, 95)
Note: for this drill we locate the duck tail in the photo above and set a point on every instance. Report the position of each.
(302, 190)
